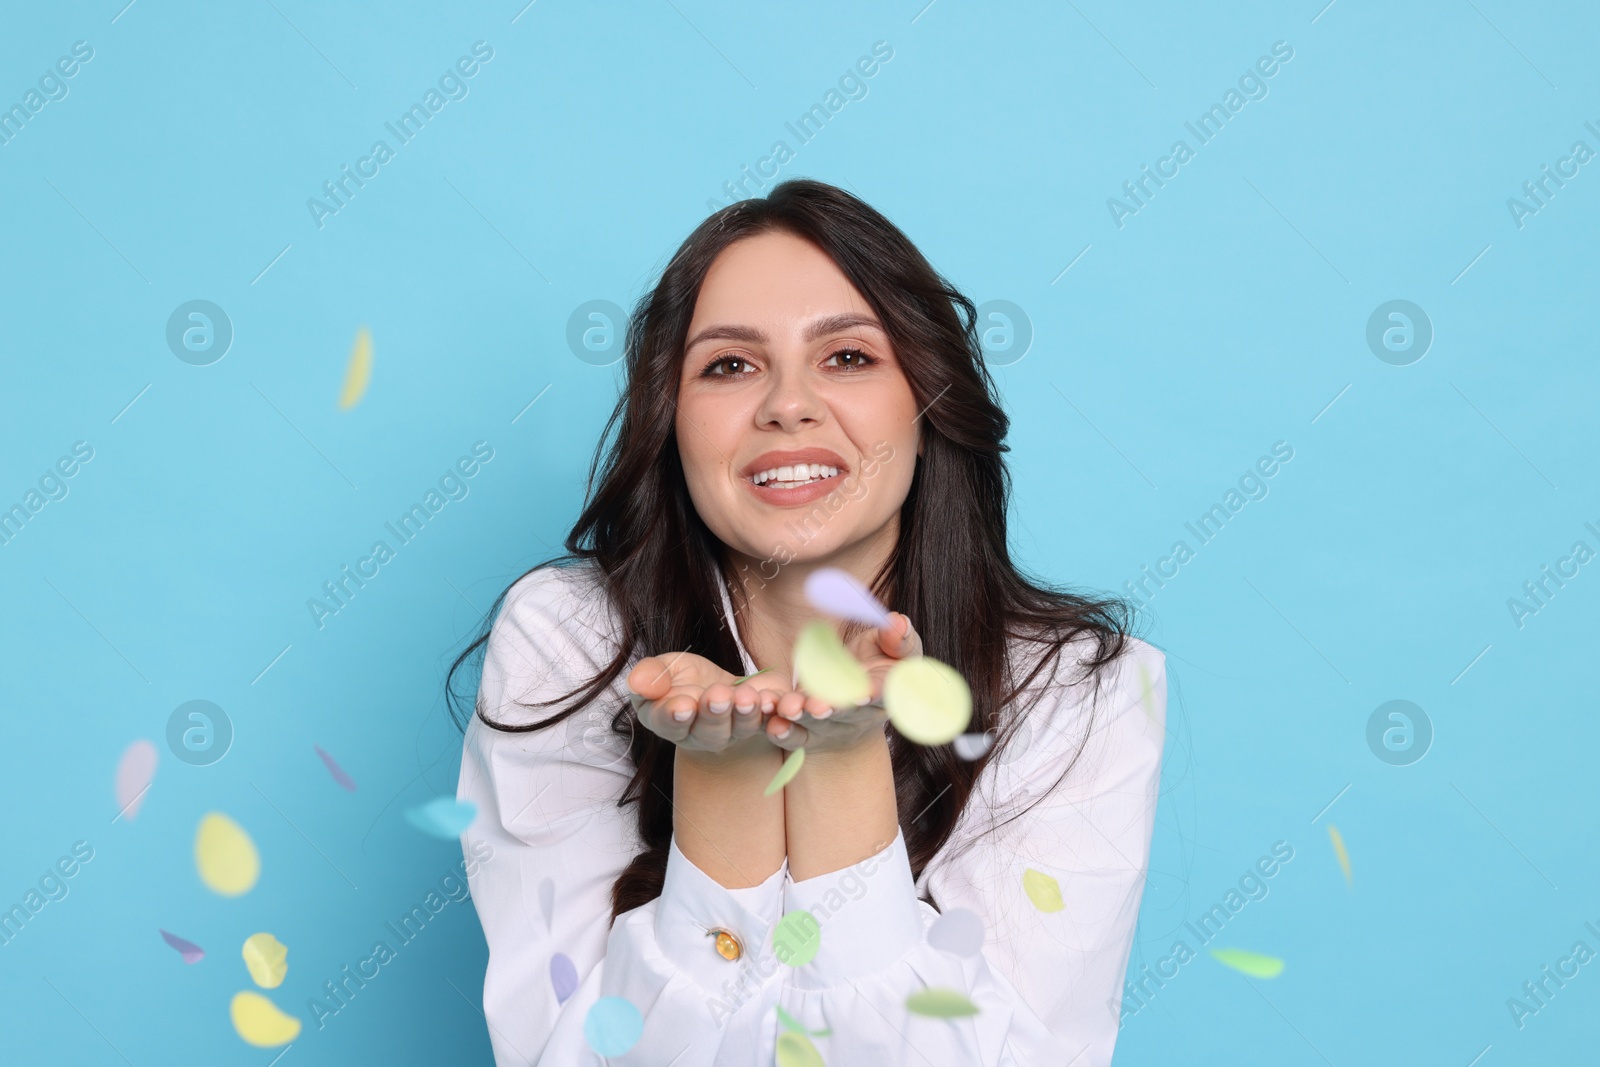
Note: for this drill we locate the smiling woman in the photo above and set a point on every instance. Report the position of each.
(661, 899)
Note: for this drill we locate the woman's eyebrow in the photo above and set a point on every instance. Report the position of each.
(751, 335)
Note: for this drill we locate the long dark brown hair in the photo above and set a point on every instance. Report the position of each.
(951, 571)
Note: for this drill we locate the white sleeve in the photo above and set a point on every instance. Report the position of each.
(1047, 983)
(556, 841)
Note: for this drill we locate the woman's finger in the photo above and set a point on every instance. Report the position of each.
(899, 639)
(785, 734)
(791, 704)
(746, 712)
(817, 708)
(651, 677)
(711, 722)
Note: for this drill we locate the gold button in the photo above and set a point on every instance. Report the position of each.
(727, 944)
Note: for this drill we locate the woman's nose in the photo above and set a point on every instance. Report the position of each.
(791, 401)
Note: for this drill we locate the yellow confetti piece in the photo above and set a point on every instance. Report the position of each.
(1339, 851)
(796, 1050)
(786, 773)
(358, 372)
(940, 1003)
(225, 856)
(928, 701)
(259, 1021)
(267, 958)
(1252, 963)
(826, 668)
(1043, 890)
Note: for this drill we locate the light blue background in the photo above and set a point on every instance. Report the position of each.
(1225, 316)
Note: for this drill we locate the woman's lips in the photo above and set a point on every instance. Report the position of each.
(800, 494)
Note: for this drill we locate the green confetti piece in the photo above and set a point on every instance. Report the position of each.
(1043, 890)
(928, 701)
(1252, 963)
(940, 1003)
(786, 773)
(796, 1050)
(826, 669)
(796, 938)
(746, 678)
(791, 1023)
(1146, 690)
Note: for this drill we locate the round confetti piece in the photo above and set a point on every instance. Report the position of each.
(1043, 890)
(1252, 963)
(443, 817)
(563, 976)
(796, 1050)
(259, 1021)
(928, 701)
(267, 959)
(826, 669)
(225, 856)
(973, 746)
(940, 1003)
(958, 931)
(612, 1026)
(796, 938)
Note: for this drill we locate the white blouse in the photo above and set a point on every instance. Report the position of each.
(1048, 984)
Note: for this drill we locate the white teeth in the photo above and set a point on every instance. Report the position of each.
(794, 475)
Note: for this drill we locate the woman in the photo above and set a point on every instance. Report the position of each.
(803, 391)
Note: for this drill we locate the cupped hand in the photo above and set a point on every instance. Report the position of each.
(690, 701)
(809, 722)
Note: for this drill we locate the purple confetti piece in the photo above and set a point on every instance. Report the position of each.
(336, 770)
(191, 952)
(563, 976)
(135, 771)
(834, 592)
(958, 931)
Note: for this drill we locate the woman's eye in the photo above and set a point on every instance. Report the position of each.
(851, 359)
(738, 365)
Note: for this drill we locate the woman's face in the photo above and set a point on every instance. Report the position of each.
(796, 426)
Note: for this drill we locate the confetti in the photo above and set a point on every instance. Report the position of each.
(973, 746)
(191, 952)
(826, 669)
(746, 678)
(940, 1003)
(135, 771)
(796, 938)
(259, 1021)
(1252, 963)
(958, 931)
(789, 1022)
(927, 701)
(796, 1050)
(547, 902)
(786, 773)
(612, 1026)
(334, 769)
(563, 976)
(225, 856)
(1339, 851)
(358, 372)
(267, 959)
(1043, 890)
(443, 817)
(1145, 692)
(838, 593)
